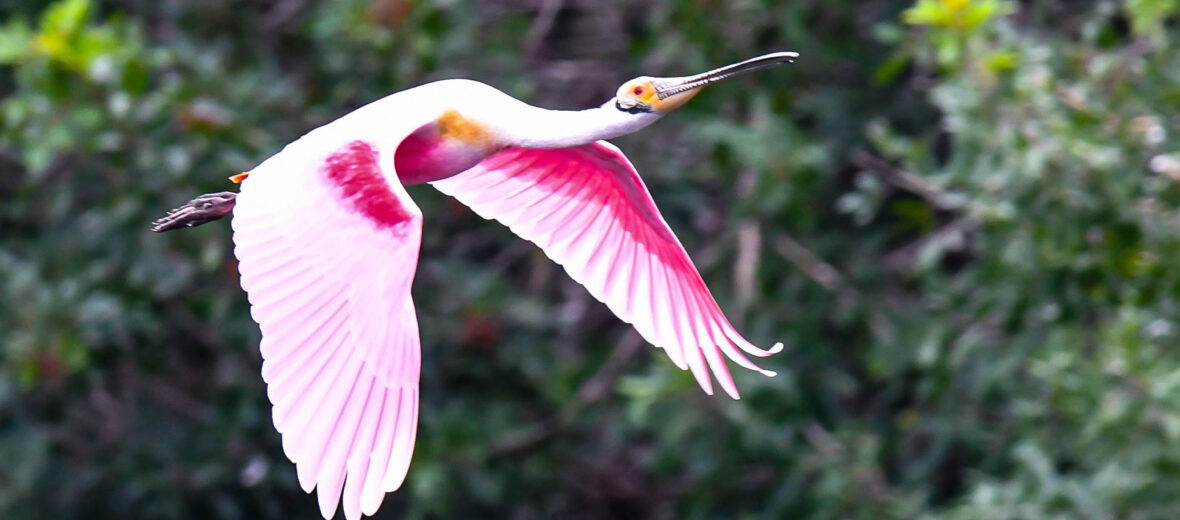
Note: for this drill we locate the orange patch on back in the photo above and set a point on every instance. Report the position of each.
(452, 125)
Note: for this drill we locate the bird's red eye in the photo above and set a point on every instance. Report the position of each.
(637, 90)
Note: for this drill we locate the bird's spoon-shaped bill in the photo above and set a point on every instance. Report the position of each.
(668, 87)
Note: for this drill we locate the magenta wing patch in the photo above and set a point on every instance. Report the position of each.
(355, 173)
(327, 252)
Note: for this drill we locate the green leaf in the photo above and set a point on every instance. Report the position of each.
(65, 17)
(891, 68)
(15, 41)
(1148, 16)
(926, 12)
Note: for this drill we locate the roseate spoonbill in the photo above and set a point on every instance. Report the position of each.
(327, 241)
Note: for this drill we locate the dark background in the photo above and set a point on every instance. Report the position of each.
(959, 215)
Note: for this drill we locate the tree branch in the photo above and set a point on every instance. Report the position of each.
(899, 178)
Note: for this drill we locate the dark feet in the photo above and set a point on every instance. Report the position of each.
(201, 210)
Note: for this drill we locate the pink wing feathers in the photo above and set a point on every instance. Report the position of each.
(327, 251)
(587, 208)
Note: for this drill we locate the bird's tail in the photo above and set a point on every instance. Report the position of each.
(201, 210)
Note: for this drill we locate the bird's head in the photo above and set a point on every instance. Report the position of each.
(637, 104)
(648, 95)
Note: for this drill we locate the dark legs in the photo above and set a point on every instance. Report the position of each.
(201, 210)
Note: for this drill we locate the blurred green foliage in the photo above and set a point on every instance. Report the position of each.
(960, 216)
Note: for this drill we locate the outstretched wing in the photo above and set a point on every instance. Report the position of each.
(327, 251)
(589, 211)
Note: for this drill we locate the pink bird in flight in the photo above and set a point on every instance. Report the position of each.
(327, 242)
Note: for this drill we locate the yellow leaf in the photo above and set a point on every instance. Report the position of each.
(50, 44)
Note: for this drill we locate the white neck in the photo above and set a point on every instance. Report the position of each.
(527, 126)
(513, 122)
